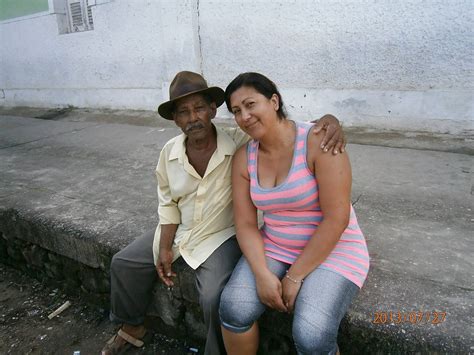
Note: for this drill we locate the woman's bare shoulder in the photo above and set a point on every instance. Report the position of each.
(313, 144)
(241, 152)
(239, 163)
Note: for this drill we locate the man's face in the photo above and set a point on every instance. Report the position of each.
(193, 114)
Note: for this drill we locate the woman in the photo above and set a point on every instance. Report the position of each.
(298, 261)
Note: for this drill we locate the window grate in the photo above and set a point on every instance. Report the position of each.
(80, 15)
(76, 14)
(89, 17)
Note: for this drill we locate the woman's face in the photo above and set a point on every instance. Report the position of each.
(253, 112)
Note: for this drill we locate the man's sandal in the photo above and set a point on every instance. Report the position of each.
(114, 347)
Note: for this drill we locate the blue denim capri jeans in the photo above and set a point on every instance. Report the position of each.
(323, 300)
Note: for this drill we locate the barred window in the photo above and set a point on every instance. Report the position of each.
(79, 15)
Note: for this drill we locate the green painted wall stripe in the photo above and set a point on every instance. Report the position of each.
(16, 8)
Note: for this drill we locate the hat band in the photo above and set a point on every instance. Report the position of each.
(186, 89)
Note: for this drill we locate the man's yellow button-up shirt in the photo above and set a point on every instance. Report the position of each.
(201, 206)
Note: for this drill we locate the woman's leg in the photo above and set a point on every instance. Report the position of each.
(241, 343)
(240, 308)
(320, 306)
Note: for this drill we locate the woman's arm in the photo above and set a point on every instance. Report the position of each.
(334, 178)
(250, 241)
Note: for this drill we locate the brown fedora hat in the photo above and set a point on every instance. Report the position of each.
(187, 83)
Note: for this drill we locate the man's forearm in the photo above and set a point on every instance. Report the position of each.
(168, 232)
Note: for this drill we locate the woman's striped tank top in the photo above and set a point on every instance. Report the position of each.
(291, 214)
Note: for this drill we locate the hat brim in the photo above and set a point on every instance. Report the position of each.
(216, 94)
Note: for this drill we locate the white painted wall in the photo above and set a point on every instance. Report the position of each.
(125, 62)
(388, 64)
(393, 64)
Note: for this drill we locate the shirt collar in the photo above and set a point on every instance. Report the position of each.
(225, 144)
(178, 148)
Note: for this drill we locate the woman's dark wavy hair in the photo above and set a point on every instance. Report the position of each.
(259, 82)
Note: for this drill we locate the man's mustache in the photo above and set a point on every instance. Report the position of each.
(193, 126)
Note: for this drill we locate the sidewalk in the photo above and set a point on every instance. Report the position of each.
(82, 186)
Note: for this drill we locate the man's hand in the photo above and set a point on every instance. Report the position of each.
(334, 138)
(163, 267)
(269, 291)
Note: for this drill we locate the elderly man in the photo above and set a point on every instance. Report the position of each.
(195, 212)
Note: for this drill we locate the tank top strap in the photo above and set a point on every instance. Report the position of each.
(303, 129)
(252, 159)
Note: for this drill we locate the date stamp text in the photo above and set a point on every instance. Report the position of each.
(413, 317)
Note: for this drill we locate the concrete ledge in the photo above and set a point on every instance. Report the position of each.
(72, 193)
(359, 133)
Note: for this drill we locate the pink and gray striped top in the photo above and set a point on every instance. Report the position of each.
(291, 214)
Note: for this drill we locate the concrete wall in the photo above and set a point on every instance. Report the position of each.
(124, 62)
(388, 64)
(404, 64)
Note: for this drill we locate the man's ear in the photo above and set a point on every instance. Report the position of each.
(276, 101)
(213, 109)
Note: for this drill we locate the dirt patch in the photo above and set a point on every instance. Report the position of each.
(25, 304)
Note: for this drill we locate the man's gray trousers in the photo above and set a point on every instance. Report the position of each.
(133, 276)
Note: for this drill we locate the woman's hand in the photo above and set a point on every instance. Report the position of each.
(290, 291)
(269, 291)
(334, 137)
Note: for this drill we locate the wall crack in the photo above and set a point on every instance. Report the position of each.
(199, 39)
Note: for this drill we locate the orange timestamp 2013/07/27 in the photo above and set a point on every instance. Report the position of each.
(413, 317)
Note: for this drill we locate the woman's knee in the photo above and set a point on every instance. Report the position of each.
(236, 314)
(319, 337)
